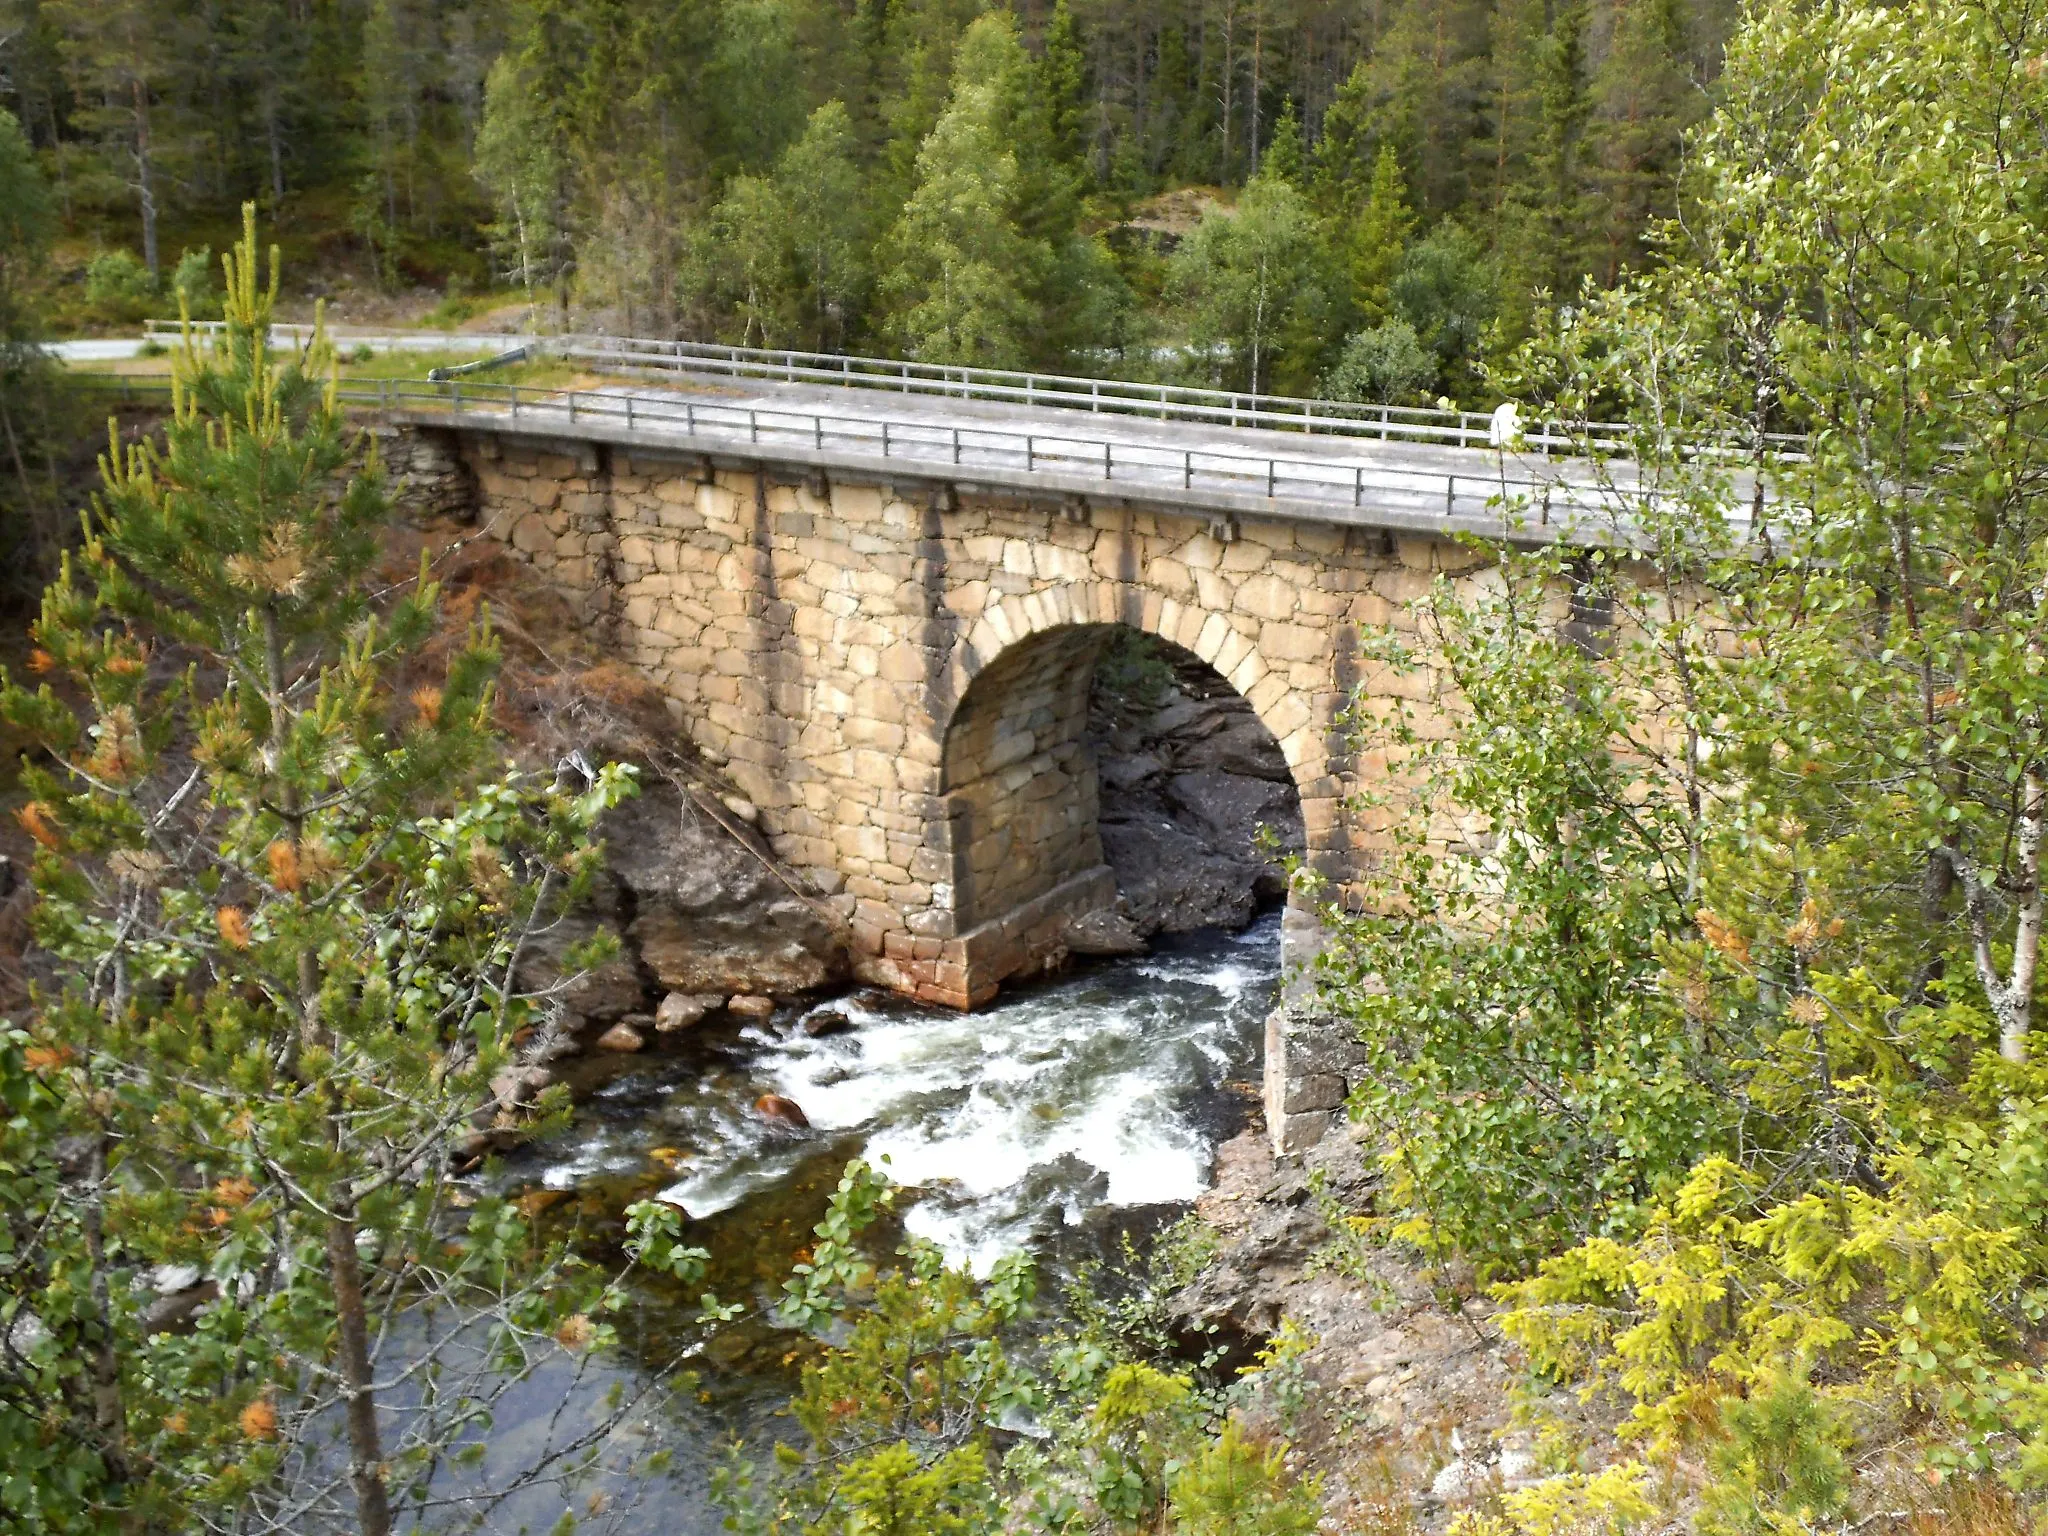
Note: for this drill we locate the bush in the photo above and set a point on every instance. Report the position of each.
(1387, 364)
(192, 283)
(119, 286)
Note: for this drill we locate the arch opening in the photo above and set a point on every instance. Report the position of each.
(1101, 785)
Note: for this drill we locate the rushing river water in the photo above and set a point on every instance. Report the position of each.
(1066, 1114)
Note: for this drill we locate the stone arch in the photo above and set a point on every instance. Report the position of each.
(1017, 802)
(1209, 634)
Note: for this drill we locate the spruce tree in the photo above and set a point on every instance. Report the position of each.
(285, 876)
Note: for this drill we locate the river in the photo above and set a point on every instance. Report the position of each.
(1069, 1112)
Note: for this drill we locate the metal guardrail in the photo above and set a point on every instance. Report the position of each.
(1162, 402)
(926, 448)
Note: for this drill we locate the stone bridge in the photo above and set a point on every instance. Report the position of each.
(891, 652)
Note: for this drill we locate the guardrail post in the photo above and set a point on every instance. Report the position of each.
(753, 425)
(1272, 478)
(885, 439)
(690, 417)
(629, 413)
(818, 433)
(1030, 452)
(572, 406)
(1106, 462)
(1187, 469)
(1450, 495)
(1308, 419)
(1095, 396)
(515, 405)
(456, 398)
(1358, 486)
(956, 444)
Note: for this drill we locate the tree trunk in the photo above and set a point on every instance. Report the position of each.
(365, 1444)
(145, 176)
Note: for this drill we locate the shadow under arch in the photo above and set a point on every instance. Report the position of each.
(1020, 787)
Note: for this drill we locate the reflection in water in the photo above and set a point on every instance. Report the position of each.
(1053, 1120)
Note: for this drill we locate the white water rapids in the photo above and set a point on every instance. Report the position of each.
(1096, 1089)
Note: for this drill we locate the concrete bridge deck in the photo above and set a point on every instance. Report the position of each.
(971, 446)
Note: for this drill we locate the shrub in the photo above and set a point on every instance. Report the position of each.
(119, 286)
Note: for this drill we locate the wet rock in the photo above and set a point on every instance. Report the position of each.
(1184, 785)
(776, 1109)
(1107, 931)
(623, 1038)
(1232, 809)
(825, 1021)
(752, 1007)
(684, 1010)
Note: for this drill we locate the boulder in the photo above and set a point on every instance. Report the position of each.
(1231, 809)
(684, 1010)
(776, 1109)
(623, 1038)
(752, 1007)
(825, 1021)
(517, 1087)
(711, 912)
(597, 995)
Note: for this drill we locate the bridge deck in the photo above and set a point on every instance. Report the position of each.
(1059, 453)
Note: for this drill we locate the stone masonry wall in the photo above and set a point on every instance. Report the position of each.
(896, 676)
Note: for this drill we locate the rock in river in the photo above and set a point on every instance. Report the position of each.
(682, 1010)
(774, 1107)
(623, 1038)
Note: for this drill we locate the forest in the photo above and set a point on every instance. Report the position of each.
(848, 176)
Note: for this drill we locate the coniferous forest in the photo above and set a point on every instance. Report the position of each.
(848, 175)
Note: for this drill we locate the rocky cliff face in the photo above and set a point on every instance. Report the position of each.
(1198, 808)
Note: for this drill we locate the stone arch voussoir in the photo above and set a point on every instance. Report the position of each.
(1209, 634)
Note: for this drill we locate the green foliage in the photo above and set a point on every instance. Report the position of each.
(1743, 1025)
(1528, 1083)
(1782, 1467)
(286, 876)
(119, 286)
(1235, 1487)
(899, 1411)
(1386, 364)
(192, 282)
(1445, 290)
(1250, 283)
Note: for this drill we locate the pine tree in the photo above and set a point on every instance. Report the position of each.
(1376, 236)
(287, 877)
(1063, 72)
